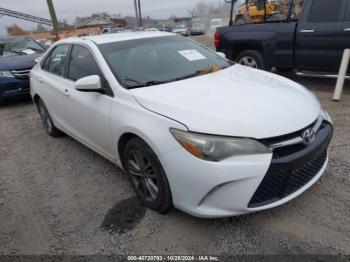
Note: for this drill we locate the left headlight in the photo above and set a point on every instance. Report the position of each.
(216, 148)
(6, 74)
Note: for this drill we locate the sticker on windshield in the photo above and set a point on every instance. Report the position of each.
(192, 55)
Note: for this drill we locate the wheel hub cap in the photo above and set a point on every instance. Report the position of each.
(143, 175)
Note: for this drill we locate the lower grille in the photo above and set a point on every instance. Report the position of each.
(288, 174)
(21, 74)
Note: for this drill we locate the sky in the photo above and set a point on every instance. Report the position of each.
(69, 9)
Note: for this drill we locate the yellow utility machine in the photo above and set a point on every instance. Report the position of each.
(254, 10)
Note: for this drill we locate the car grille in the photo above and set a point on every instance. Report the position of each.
(290, 172)
(21, 74)
(287, 150)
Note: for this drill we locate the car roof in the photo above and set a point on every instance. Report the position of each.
(124, 36)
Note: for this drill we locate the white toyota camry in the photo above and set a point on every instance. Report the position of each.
(190, 128)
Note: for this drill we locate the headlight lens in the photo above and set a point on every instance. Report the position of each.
(6, 74)
(217, 148)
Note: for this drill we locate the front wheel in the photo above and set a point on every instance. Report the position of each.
(252, 59)
(147, 176)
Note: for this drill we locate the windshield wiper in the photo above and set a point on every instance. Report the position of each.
(36, 49)
(203, 71)
(142, 83)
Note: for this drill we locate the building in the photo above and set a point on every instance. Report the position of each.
(94, 22)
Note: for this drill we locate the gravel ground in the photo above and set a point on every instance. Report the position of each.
(59, 197)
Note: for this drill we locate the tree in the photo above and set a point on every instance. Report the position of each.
(40, 29)
(15, 30)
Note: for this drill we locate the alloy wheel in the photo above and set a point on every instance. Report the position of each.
(248, 61)
(143, 175)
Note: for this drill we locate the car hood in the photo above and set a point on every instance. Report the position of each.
(18, 62)
(237, 101)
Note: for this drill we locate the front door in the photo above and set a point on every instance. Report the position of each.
(318, 35)
(89, 112)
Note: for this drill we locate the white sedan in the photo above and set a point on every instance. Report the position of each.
(190, 128)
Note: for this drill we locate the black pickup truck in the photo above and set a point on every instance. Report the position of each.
(313, 41)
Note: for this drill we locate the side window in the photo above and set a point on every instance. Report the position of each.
(56, 62)
(45, 64)
(82, 64)
(325, 11)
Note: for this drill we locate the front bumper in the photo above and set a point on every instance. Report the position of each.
(10, 87)
(242, 184)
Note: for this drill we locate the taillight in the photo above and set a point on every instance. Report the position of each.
(216, 40)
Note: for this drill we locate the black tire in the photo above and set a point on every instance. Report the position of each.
(254, 59)
(48, 124)
(135, 154)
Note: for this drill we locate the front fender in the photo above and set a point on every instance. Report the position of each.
(130, 117)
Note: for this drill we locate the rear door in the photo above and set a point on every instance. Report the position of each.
(53, 85)
(318, 35)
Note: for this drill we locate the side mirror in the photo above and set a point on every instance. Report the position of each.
(89, 84)
(221, 54)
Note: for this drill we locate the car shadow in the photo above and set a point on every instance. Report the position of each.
(15, 101)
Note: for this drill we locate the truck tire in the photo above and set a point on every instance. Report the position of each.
(251, 58)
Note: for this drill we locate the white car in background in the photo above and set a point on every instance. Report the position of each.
(198, 29)
(215, 23)
(190, 128)
(181, 29)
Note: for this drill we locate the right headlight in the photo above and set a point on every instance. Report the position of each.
(216, 148)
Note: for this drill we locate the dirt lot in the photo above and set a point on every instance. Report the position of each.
(57, 196)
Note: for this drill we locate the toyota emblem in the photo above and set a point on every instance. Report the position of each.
(308, 136)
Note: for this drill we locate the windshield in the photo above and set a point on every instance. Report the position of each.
(152, 61)
(20, 47)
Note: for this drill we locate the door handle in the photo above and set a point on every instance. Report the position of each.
(66, 92)
(40, 80)
(347, 29)
(307, 31)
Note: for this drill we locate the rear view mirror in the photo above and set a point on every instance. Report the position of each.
(89, 84)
